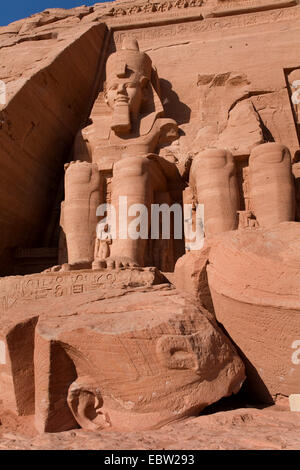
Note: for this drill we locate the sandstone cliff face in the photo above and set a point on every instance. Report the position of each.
(49, 75)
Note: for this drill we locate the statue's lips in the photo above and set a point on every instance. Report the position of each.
(122, 99)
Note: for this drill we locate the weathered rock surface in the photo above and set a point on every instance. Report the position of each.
(253, 277)
(48, 85)
(151, 354)
(190, 277)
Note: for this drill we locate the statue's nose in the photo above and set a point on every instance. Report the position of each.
(121, 88)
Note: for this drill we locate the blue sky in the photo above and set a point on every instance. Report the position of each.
(15, 10)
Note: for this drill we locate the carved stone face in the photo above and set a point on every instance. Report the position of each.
(132, 392)
(122, 91)
(130, 365)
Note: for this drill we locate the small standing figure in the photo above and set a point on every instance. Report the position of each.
(294, 82)
(102, 250)
(247, 219)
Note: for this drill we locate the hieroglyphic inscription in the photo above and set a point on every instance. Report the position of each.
(49, 285)
(207, 25)
(155, 7)
(233, 4)
(171, 5)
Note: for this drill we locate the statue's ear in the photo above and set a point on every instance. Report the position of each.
(86, 404)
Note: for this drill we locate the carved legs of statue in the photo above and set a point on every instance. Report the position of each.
(82, 197)
(137, 179)
(272, 188)
(214, 182)
(134, 178)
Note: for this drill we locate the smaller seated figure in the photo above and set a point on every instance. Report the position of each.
(294, 82)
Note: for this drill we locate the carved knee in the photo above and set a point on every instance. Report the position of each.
(211, 159)
(272, 188)
(131, 167)
(214, 182)
(79, 174)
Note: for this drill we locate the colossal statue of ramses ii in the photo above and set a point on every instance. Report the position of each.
(122, 145)
(126, 141)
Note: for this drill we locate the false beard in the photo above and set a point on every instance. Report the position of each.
(121, 119)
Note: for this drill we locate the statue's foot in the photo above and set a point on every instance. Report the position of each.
(55, 269)
(114, 262)
(69, 267)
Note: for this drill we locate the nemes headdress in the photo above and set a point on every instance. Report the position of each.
(128, 62)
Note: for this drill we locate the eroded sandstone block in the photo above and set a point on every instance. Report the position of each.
(116, 355)
(190, 276)
(130, 362)
(16, 364)
(20, 291)
(253, 277)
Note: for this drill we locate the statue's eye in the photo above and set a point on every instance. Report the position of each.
(130, 85)
(113, 87)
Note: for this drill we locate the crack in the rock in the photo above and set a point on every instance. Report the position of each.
(167, 46)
